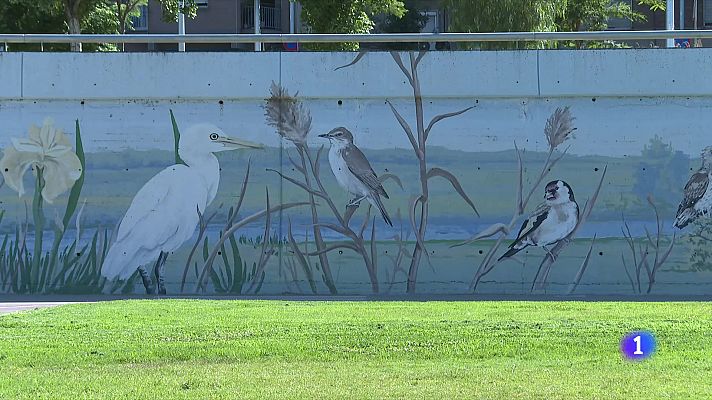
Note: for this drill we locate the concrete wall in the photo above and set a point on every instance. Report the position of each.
(642, 120)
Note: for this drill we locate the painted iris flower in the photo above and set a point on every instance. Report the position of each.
(46, 149)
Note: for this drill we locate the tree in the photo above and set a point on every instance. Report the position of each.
(540, 16)
(346, 16)
(48, 16)
(504, 16)
(412, 21)
(171, 9)
(125, 9)
(35, 16)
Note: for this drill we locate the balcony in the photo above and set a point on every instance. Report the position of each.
(270, 17)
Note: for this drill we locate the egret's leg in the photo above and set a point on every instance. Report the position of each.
(146, 279)
(158, 271)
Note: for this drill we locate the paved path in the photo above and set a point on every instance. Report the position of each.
(6, 308)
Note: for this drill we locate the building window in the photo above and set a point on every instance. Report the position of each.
(201, 3)
(621, 24)
(140, 23)
(431, 22)
(707, 13)
(270, 16)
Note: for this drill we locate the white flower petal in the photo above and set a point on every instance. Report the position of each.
(26, 146)
(60, 175)
(34, 134)
(57, 151)
(48, 133)
(13, 165)
(49, 149)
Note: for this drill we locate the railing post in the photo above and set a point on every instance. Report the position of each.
(258, 45)
(181, 25)
(670, 21)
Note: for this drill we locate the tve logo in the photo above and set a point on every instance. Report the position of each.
(638, 345)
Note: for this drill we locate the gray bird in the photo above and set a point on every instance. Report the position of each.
(353, 171)
(698, 193)
(551, 222)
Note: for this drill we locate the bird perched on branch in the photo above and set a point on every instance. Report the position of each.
(698, 193)
(164, 212)
(353, 171)
(551, 222)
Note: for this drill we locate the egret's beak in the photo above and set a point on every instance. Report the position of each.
(235, 143)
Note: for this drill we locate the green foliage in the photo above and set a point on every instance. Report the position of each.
(593, 15)
(171, 9)
(412, 21)
(32, 16)
(541, 16)
(345, 16)
(654, 5)
(504, 16)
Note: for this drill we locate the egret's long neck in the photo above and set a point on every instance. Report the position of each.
(207, 167)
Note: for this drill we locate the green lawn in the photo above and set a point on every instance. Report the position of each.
(176, 349)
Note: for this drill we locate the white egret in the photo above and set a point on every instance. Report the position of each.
(164, 212)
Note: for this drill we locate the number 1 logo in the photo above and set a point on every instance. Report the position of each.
(637, 351)
(638, 345)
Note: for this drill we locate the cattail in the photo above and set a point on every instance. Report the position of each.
(559, 127)
(288, 115)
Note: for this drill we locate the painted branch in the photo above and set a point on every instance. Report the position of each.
(583, 267)
(247, 220)
(318, 239)
(441, 117)
(302, 259)
(358, 58)
(264, 257)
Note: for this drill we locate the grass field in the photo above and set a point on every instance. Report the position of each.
(178, 349)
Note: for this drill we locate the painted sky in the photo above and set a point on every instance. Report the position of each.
(606, 126)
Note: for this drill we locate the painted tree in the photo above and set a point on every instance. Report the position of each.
(346, 16)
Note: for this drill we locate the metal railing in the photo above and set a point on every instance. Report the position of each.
(270, 17)
(363, 38)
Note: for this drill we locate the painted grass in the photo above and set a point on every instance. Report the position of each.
(179, 349)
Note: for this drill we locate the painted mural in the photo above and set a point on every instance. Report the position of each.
(318, 203)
